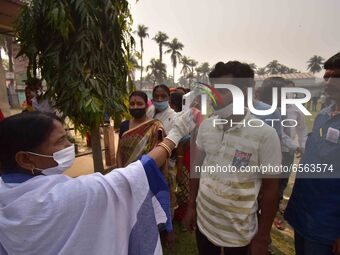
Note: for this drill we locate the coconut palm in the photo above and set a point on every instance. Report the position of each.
(132, 67)
(174, 48)
(315, 64)
(273, 67)
(253, 66)
(203, 70)
(261, 71)
(282, 69)
(293, 70)
(158, 70)
(185, 61)
(142, 32)
(183, 81)
(161, 38)
(193, 63)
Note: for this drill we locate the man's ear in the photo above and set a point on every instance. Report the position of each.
(23, 160)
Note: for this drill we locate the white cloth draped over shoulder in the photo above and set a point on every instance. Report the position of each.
(117, 213)
(167, 118)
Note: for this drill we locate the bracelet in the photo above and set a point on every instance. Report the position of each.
(165, 147)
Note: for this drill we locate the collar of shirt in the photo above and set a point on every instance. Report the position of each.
(16, 177)
(331, 111)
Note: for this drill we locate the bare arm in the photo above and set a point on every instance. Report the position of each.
(194, 182)
(159, 154)
(268, 207)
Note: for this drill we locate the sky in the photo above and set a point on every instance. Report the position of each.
(253, 31)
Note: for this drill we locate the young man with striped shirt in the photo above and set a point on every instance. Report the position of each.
(227, 204)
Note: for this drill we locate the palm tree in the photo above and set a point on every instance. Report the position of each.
(161, 38)
(185, 61)
(261, 71)
(142, 32)
(192, 64)
(293, 70)
(132, 67)
(273, 67)
(191, 75)
(183, 81)
(315, 63)
(282, 69)
(158, 69)
(204, 70)
(174, 48)
(253, 66)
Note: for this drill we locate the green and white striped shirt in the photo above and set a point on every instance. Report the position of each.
(227, 202)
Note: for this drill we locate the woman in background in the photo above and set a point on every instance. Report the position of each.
(139, 135)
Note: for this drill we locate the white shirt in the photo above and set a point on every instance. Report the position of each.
(166, 117)
(94, 214)
(290, 134)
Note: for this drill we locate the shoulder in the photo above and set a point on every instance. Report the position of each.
(263, 131)
(124, 126)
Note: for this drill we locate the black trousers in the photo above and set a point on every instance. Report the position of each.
(205, 247)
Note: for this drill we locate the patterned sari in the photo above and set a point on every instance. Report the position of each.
(138, 141)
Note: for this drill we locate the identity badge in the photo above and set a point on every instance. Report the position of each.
(333, 135)
(241, 158)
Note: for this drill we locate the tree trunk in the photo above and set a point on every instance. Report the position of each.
(4, 105)
(173, 75)
(97, 150)
(10, 53)
(160, 53)
(141, 71)
(141, 62)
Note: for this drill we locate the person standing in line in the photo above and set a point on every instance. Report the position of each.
(163, 111)
(313, 209)
(1, 115)
(226, 204)
(322, 101)
(139, 135)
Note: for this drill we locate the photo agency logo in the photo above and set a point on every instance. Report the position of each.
(282, 96)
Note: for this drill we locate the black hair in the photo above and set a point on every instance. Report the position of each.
(266, 91)
(163, 87)
(237, 70)
(22, 132)
(182, 88)
(333, 62)
(139, 94)
(176, 99)
(33, 82)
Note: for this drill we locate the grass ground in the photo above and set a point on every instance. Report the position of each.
(282, 241)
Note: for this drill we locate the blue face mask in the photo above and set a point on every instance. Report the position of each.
(160, 106)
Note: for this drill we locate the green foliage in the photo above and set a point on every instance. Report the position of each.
(315, 64)
(157, 69)
(161, 39)
(82, 48)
